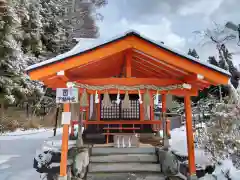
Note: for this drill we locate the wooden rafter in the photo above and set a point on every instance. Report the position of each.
(178, 61)
(147, 68)
(167, 68)
(140, 74)
(90, 56)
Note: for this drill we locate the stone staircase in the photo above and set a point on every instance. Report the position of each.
(109, 163)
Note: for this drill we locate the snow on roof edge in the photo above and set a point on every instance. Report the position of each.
(74, 51)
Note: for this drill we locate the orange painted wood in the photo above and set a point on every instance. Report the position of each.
(128, 64)
(164, 103)
(64, 151)
(178, 61)
(124, 122)
(151, 71)
(155, 65)
(178, 92)
(170, 60)
(98, 110)
(193, 79)
(117, 133)
(129, 81)
(121, 128)
(147, 72)
(139, 74)
(189, 133)
(89, 56)
(168, 127)
(64, 78)
(99, 69)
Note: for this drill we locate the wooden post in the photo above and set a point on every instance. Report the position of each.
(56, 120)
(164, 121)
(64, 152)
(190, 142)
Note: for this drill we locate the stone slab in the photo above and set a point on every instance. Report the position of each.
(124, 158)
(125, 176)
(123, 167)
(113, 150)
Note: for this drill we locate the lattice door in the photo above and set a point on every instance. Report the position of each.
(117, 113)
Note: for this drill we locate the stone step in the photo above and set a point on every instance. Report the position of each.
(119, 158)
(112, 150)
(123, 167)
(125, 176)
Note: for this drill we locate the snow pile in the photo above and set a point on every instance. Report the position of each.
(178, 143)
(43, 158)
(223, 171)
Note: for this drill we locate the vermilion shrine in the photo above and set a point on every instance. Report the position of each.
(120, 77)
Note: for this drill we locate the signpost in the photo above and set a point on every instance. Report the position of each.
(67, 95)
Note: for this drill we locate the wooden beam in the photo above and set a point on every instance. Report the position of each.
(139, 74)
(147, 72)
(86, 57)
(164, 103)
(128, 64)
(159, 64)
(124, 122)
(64, 151)
(108, 67)
(150, 69)
(178, 61)
(129, 81)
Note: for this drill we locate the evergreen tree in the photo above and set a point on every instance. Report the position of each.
(11, 56)
(212, 60)
(193, 52)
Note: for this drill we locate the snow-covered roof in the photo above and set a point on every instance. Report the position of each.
(95, 43)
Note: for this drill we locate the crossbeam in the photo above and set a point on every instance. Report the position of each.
(129, 81)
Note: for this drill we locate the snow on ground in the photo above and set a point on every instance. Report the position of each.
(178, 144)
(17, 150)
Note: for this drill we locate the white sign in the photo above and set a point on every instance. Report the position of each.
(67, 95)
(66, 118)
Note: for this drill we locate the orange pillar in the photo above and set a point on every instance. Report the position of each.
(190, 142)
(164, 103)
(64, 152)
(164, 120)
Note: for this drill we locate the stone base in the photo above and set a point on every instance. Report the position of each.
(192, 177)
(62, 178)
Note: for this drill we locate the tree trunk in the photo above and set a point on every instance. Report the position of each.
(56, 122)
(2, 112)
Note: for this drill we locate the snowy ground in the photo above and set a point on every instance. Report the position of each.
(18, 149)
(179, 144)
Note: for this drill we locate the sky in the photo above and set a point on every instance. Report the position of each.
(171, 21)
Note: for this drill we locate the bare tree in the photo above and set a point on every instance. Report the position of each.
(80, 17)
(219, 36)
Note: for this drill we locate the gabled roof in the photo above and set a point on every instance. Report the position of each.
(78, 50)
